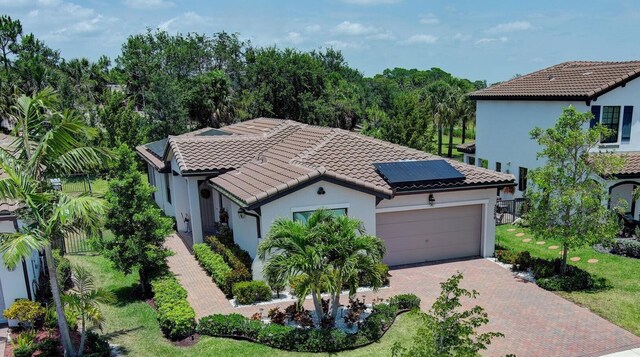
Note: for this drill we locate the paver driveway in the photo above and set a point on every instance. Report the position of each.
(535, 322)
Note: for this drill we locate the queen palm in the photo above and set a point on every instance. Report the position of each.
(47, 140)
(328, 252)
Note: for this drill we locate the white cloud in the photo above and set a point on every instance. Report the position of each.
(371, 2)
(486, 40)
(313, 28)
(148, 4)
(461, 37)
(354, 29)
(429, 19)
(420, 39)
(510, 27)
(382, 36)
(294, 37)
(185, 22)
(343, 44)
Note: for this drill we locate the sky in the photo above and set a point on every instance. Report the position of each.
(479, 40)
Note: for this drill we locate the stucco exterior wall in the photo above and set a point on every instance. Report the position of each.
(486, 197)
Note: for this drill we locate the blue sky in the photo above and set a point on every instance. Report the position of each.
(490, 40)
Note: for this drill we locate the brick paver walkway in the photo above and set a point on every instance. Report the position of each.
(535, 322)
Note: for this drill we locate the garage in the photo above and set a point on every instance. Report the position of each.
(424, 235)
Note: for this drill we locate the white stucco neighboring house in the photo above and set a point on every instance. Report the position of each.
(507, 112)
(249, 174)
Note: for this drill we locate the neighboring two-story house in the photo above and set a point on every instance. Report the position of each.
(507, 112)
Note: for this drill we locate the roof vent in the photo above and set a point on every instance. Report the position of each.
(261, 160)
(552, 78)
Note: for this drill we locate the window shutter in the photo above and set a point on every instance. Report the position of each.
(626, 123)
(595, 110)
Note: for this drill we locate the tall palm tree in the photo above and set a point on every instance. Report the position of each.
(292, 248)
(48, 142)
(84, 299)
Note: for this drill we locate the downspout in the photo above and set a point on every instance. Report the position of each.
(256, 216)
(26, 278)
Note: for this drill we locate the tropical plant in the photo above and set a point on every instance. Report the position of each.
(25, 311)
(329, 252)
(50, 140)
(84, 299)
(565, 199)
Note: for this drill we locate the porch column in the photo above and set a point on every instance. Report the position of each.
(194, 208)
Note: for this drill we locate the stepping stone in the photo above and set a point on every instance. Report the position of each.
(540, 243)
(527, 240)
(575, 259)
(519, 234)
(592, 261)
(554, 247)
(511, 230)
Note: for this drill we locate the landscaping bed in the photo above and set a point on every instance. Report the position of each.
(279, 335)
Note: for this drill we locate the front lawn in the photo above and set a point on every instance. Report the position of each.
(619, 303)
(132, 324)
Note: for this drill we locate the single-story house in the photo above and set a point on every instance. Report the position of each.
(246, 175)
(21, 282)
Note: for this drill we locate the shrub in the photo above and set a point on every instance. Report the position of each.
(239, 270)
(25, 311)
(249, 292)
(626, 247)
(299, 339)
(49, 347)
(98, 345)
(506, 256)
(63, 269)
(573, 280)
(405, 301)
(176, 317)
(213, 263)
(25, 351)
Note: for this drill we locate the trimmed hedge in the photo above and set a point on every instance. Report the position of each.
(305, 340)
(236, 258)
(63, 268)
(176, 317)
(214, 264)
(249, 292)
(547, 272)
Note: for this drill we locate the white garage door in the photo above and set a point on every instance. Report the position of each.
(430, 234)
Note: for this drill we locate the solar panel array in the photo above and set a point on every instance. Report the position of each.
(427, 171)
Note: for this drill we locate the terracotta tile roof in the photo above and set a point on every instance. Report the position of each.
(631, 167)
(579, 80)
(296, 153)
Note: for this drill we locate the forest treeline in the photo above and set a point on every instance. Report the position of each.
(163, 84)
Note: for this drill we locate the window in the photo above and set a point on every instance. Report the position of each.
(611, 120)
(522, 179)
(471, 160)
(304, 215)
(168, 186)
(484, 163)
(499, 166)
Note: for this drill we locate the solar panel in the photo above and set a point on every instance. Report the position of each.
(213, 132)
(427, 171)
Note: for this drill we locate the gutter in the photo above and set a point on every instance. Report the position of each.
(256, 216)
(449, 189)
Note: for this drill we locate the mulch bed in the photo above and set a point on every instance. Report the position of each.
(188, 341)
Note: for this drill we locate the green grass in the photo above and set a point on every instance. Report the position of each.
(77, 185)
(445, 146)
(132, 324)
(620, 303)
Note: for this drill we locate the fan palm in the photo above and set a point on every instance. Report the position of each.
(47, 140)
(84, 300)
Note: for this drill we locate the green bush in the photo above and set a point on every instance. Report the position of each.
(49, 347)
(24, 351)
(25, 311)
(573, 280)
(405, 301)
(240, 271)
(304, 340)
(176, 317)
(506, 256)
(626, 247)
(98, 345)
(249, 292)
(63, 269)
(213, 263)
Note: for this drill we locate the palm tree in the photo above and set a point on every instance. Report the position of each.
(47, 140)
(84, 299)
(297, 252)
(352, 253)
(330, 252)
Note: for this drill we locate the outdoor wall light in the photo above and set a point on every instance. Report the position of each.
(241, 213)
(432, 199)
(321, 191)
